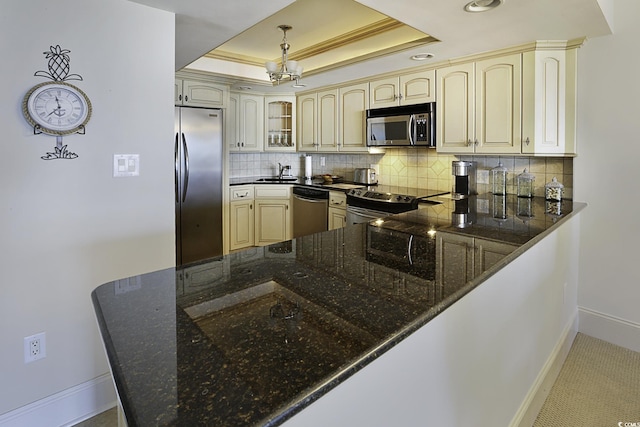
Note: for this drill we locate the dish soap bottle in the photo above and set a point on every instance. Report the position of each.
(499, 179)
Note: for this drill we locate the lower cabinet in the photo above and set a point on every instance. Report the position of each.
(337, 209)
(195, 278)
(241, 224)
(272, 214)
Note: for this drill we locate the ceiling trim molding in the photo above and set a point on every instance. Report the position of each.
(359, 34)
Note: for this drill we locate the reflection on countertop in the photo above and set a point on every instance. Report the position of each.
(256, 336)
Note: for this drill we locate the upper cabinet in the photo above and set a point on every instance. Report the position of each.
(333, 120)
(414, 88)
(244, 121)
(352, 109)
(523, 103)
(280, 123)
(479, 106)
(200, 94)
(549, 102)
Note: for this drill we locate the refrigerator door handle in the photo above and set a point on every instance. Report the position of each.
(176, 160)
(186, 168)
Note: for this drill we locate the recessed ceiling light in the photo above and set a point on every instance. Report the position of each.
(422, 56)
(482, 5)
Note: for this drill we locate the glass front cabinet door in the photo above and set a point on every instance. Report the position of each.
(280, 123)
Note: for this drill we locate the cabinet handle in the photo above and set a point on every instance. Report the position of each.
(186, 98)
(180, 97)
(526, 141)
(468, 142)
(475, 142)
(251, 206)
(400, 97)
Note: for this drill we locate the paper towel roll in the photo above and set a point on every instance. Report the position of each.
(307, 167)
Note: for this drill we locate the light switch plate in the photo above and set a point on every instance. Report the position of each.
(126, 165)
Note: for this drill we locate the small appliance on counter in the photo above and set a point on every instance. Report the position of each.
(365, 176)
(464, 179)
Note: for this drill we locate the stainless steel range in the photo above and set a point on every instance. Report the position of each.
(371, 203)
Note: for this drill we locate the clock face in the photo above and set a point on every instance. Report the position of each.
(57, 108)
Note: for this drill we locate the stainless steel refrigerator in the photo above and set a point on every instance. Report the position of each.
(198, 184)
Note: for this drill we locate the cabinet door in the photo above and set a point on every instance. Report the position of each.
(455, 109)
(549, 102)
(241, 224)
(498, 105)
(307, 115)
(251, 122)
(200, 94)
(384, 93)
(354, 102)
(272, 221)
(337, 218)
(232, 122)
(280, 123)
(177, 92)
(418, 88)
(327, 121)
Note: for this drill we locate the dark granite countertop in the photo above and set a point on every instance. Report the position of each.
(254, 337)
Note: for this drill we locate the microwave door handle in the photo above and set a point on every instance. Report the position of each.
(409, 249)
(412, 121)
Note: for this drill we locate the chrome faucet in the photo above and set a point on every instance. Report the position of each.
(282, 168)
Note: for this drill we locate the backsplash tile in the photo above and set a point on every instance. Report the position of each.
(410, 167)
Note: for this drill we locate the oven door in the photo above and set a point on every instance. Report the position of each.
(357, 215)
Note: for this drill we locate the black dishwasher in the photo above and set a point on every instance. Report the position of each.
(310, 207)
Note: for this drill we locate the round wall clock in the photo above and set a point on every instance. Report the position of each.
(57, 108)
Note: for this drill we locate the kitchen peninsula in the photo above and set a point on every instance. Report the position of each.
(320, 331)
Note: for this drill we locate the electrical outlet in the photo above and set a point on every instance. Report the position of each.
(322, 161)
(35, 347)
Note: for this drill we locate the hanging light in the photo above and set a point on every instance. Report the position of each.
(289, 70)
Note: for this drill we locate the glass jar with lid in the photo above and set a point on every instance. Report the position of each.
(553, 190)
(525, 184)
(499, 179)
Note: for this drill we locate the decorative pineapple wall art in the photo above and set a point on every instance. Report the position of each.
(57, 107)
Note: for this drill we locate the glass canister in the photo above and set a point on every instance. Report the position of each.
(525, 184)
(499, 179)
(553, 190)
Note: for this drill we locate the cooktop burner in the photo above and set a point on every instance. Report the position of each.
(393, 194)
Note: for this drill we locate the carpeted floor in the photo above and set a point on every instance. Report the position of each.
(598, 386)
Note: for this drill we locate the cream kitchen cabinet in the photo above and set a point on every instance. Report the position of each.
(352, 128)
(272, 214)
(244, 121)
(337, 209)
(280, 123)
(549, 101)
(241, 217)
(194, 93)
(479, 106)
(319, 122)
(407, 89)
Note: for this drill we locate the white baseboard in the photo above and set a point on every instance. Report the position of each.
(526, 415)
(610, 328)
(67, 407)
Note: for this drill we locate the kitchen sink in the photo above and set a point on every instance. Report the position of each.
(284, 178)
(276, 339)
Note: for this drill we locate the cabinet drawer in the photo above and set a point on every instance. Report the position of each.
(239, 193)
(273, 191)
(337, 199)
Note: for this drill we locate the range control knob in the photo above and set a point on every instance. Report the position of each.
(407, 198)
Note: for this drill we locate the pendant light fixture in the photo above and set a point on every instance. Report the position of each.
(289, 70)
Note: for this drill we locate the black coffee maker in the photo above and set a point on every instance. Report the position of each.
(464, 179)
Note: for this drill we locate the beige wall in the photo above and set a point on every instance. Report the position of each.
(68, 225)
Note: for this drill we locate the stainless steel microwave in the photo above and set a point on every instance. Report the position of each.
(411, 125)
